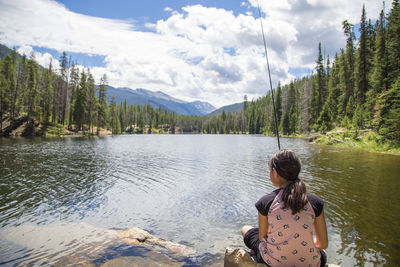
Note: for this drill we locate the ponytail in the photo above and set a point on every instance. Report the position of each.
(294, 196)
(288, 166)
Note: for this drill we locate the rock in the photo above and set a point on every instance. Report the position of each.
(174, 247)
(312, 139)
(136, 261)
(237, 257)
(135, 235)
(81, 243)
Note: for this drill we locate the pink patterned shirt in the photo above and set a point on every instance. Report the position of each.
(290, 237)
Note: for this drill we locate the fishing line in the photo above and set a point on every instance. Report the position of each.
(269, 75)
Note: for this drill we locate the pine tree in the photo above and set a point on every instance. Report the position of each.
(3, 85)
(292, 108)
(362, 61)
(81, 102)
(350, 107)
(114, 120)
(8, 85)
(285, 123)
(245, 103)
(314, 113)
(74, 83)
(389, 112)
(13, 85)
(22, 84)
(321, 82)
(63, 90)
(348, 65)
(278, 105)
(251, 118)
(91, 100)
(328, 70)
(334, 90)
(393, 43)
(359, 118)
(48, 93)
(325, 119)
(379, 77)
(102, 101)
(32, 86)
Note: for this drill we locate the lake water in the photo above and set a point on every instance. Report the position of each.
(197, 190)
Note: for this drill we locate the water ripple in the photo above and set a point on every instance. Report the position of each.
(197, 190)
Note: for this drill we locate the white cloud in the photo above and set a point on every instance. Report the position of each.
(43, 59)
(200, 53)
(315, 21)
(168, 9)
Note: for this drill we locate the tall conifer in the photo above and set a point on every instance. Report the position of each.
(362, 60)
(393, 43)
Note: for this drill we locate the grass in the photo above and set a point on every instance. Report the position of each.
(55, 130)
(368, 140)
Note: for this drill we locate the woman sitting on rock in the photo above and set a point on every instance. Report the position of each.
(288, 219)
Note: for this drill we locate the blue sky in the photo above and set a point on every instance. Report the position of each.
(139, 12)
(149, 10)
(208, 50)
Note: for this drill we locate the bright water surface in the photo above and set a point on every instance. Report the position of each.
(197, 190)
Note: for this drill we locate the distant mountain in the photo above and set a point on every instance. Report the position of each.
(230, 108)
(4, 51)
(159, 99)
(143, 97)
(203, 106)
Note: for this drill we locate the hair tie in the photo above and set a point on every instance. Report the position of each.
(295, 180)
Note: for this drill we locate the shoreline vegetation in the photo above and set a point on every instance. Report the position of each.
(366, 140)
(356, 89)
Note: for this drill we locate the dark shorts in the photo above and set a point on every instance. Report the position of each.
(252, 242)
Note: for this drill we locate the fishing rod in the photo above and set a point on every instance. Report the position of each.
(269, 75)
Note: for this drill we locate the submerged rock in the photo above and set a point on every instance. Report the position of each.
(237, 257)
(136, 236)
(81, 244)
(135, 261)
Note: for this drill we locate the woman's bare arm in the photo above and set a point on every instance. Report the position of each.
(321, 233)
(262, 226)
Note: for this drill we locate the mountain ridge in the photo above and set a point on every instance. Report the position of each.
(160, 99)
(141, 96)
(227, 109)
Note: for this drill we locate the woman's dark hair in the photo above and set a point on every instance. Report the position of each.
(288, 166)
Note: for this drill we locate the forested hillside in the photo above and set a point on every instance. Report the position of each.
(357, 88)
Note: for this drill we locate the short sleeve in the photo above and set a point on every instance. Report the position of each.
(316, 203)
(264, 203)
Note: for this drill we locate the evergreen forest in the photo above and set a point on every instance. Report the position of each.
(357, 88)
